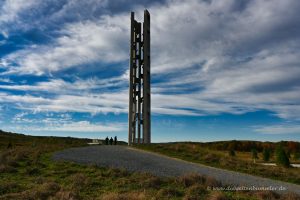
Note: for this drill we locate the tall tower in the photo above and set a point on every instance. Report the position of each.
(139, 115)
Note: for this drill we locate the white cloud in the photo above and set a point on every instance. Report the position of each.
(10, 9)
(5, 34)
(59, 86)
(115, 102)
(5, 80)
(30, 125)
(81, 43)
(81, 126)
(242, 59)
(279, 129)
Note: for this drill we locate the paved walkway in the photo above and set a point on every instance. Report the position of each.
(159, 165)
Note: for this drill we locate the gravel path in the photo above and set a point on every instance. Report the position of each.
(159, 165)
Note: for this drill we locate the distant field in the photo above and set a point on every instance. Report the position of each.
(28, 172)
(207, 153)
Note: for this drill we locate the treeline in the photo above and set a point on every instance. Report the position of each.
(246, 146)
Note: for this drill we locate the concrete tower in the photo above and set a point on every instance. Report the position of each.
(139, 115)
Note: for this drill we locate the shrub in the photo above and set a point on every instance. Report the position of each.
(281, 157)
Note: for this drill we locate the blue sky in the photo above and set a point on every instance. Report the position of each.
(221, 70)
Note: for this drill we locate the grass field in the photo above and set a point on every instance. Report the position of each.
(241, 162)
(28, 172)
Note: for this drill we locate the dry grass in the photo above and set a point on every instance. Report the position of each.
(195, 192)
(194, 178)
(168, 193)
(290, 196)
(152, 182)
(79, 181)
(216, 195)
(66, 195)
(266, 195)
(43, 191)
(124, 196)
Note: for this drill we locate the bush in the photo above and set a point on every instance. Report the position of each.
(266, 155)
(281, 157)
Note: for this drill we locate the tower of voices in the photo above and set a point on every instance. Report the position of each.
(139, 115)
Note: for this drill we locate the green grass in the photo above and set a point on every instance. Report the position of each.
(28, 172)
(242, 162)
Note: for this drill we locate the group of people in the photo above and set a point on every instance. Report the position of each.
(111, 141)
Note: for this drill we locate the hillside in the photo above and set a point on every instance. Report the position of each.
(27, 171)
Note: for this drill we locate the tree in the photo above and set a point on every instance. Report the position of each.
(115, 140)
(231, 152)
(266, 154)
(106, 140)
(281, 157)
(254, 155)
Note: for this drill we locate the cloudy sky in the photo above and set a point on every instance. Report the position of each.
(221, 70)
